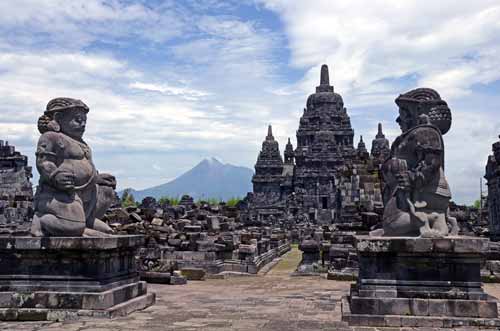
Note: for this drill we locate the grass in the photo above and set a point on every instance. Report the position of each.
(289, 261)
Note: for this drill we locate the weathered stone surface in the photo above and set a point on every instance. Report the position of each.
(457, 244)
(193, 273)
(274, 302)
(421, 281)
(55, 275)
(325, 179)
(417, 195)
(71, 195)
(16, 192)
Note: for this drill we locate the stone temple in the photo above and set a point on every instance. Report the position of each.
(16, 192)
(325, 179)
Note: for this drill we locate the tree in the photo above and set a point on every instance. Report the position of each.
(173, 201)
(128, 199)
(233, 202)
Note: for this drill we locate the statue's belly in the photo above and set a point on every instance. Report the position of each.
(82, 170)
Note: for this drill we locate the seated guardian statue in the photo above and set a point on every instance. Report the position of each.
(71, 195)
(417, 195)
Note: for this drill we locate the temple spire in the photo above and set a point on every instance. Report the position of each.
(380, 134)
(324, 81)
(325, 77)
(270, 133)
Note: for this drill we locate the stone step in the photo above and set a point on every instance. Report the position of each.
(130, 306)
(72, 300)
(399, 321)
(36, 314)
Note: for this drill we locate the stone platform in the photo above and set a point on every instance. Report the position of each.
(57, 278)
(420, 282)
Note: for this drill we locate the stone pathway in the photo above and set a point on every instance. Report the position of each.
(275, 301)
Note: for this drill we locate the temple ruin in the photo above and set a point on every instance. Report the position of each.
(16, 192)
(325, 179)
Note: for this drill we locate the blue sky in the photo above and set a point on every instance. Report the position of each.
(172, 82)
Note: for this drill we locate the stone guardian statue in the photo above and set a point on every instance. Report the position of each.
(417, 195)
(71, 195)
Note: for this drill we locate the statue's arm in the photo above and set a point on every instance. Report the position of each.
(46, 163)
(46, 157)
(429, 151)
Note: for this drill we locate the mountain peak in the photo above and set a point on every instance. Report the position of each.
(208, 179)
(213, 160)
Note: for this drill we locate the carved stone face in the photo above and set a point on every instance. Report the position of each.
(405, 119)
(72, 122)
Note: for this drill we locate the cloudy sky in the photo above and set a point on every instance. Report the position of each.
(172, 82)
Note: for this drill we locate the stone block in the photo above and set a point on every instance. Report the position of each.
(92, 274)
(192, 228)
(193, 273)
(418, 307)
(157, 221)
(463, 308)
(437, 307)
(424, 281)
(247, 249)
(178, 280)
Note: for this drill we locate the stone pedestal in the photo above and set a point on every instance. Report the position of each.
(57, 278)
(310, 256)
(420, 282)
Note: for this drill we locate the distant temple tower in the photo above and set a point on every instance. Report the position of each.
(362, 151)
(324, 146)
(325, 179)
(380, 147)
(268, 170)
(16, 192)
(289, 158)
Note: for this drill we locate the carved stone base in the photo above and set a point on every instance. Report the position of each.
(56, 278)
(420, 282)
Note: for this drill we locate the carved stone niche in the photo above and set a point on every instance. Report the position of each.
(432, 282)
(58, 278)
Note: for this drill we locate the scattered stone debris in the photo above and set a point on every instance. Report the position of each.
(196, 236)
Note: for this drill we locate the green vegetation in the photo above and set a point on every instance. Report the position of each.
(173, 201)
(215, 201)
(210, 201)
(477, 204)
(128, 199)
(288, 262)
(233, 202)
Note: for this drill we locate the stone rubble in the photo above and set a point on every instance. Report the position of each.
(197, 236)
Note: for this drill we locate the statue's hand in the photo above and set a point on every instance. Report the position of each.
(106, 180)
(403, 179)
(64, 181)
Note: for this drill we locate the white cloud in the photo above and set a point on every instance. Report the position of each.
(369, 42)
(183, 92)
(134, 120)
(78, 23)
